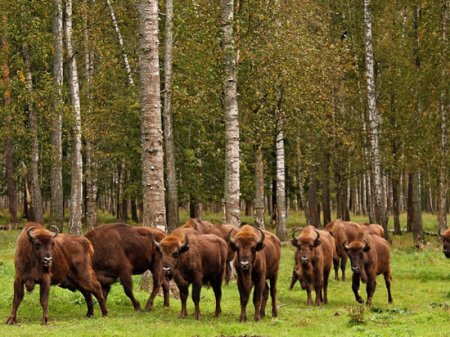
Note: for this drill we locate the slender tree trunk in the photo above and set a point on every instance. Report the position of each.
(232, 187)
(259, 187)
(9, 162)
(134, 213)
(35, 188)
(76, 191)
(374, 123)
(396, 204)
(151, 128)
(122, 211)
(443, 109)
(121, 44)
(56, 183)
(326, 190)
(281, 179)
(313, 205)
(169, 149)
(90, 172)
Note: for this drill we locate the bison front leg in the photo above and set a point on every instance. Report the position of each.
(244, 294)
(90, 304)
(336, 267)
(265, 297)
(184, 293)
(257, 297)
(18, 297)
(355, 287)
(196, 288)
(44, 292)
(294, 279)
(127, 284)
(217, 287)
(370, 289)
(273, 295)
(344, 258)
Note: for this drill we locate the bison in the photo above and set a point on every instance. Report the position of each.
(257, 260)
(445, 237)
(370, 256)
(46, 258)
(205, 227)
(121, 251)
(194, 258)
(313, 260)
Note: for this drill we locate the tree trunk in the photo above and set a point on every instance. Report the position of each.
(396, 204)
(169, 149)
(9, 162)
(374, 123)
(151, 128)
(313, 205)
(443, 109)
(230, 106)
(259, 187)
(281, 179)
(35, 188)
(122, 211)
(91, 173)
(76, 191)
(134, 213)
(56, 182)
(195, 208)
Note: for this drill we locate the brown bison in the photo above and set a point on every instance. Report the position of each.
(194, 258)
(205, 227)
(372, 228)
(46, 258)
(121, 251)
(257, 260)
(313, 260)
(369, 255)
(445, 237)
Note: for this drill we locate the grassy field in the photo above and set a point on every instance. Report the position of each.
(420, 290)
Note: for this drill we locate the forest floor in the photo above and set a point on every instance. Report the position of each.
(420, 289)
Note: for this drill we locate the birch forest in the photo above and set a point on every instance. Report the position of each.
(256, 111)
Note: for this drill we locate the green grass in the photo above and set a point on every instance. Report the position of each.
(420, 289)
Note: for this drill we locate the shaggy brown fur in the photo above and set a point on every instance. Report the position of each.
(445, 236)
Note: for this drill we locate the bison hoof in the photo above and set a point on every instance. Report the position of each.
(11, 321)
(360, 300)
(242, 319)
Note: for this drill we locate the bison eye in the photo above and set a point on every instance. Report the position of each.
(176, 255)
(37, 246)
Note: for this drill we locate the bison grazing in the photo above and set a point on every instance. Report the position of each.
(194, 258)
(205, 227)
(369, 255)
(445, 236)
(46, 258)
(121, 251)
(313, 260)
(257, 260)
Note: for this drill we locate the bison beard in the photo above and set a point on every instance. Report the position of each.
(47, 258)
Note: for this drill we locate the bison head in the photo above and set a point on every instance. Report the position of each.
(42, 242)
(171, 249)
(357, 251)
(246, 243)
(445, 237)
(305, 244)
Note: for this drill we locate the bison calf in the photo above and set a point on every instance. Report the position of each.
(313, 260)
(46, 258)
(257, 260)
(194, 258)
(121, 251)
(445, 236)
(370, 256)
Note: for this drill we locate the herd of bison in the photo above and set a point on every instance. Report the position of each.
(198, 253)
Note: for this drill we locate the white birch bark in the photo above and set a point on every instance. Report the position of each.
(443, 111)
(281, 178)
(374, 122)
(76, 191)
(169, 148)
(121, 44)
(230, 105)
(151, 128)
(56, 183)
(259, 187)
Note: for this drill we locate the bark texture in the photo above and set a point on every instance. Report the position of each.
(259, 187)
(151, 129)
(76, 191)
(281, 180)
(230, 105)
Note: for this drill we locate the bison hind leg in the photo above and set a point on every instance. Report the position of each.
(387, 279)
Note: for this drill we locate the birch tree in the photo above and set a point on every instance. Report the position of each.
(56, 182)
(281, 176)
(374, 122)
(259, 187)
(76, 191)
(151, 128)
(231, 114)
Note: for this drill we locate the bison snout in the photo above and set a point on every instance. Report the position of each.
(47, 261)
(304, 260)
(167, 270)
(355, 269)
(446, 253)
(244, 265)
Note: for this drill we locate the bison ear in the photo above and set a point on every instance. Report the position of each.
(294, 242)
(317, 242)
(232, 245)
(366, 247)
(259, 245)
(346, 247)
(185, 246)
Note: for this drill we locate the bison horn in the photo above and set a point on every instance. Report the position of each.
(30, 234)
(366, 247)
(185, 243)
(261, 239)
(55, 230)
(156, 243)
(229, 238)
(318, 235)
(293, 233)
(347, 247)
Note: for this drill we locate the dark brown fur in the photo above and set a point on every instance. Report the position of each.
(370, 256)
(255, 263)
(122, 251)
(373, 228)
(313, 260)
(201, 261)
(445, 236)
(64, 260)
